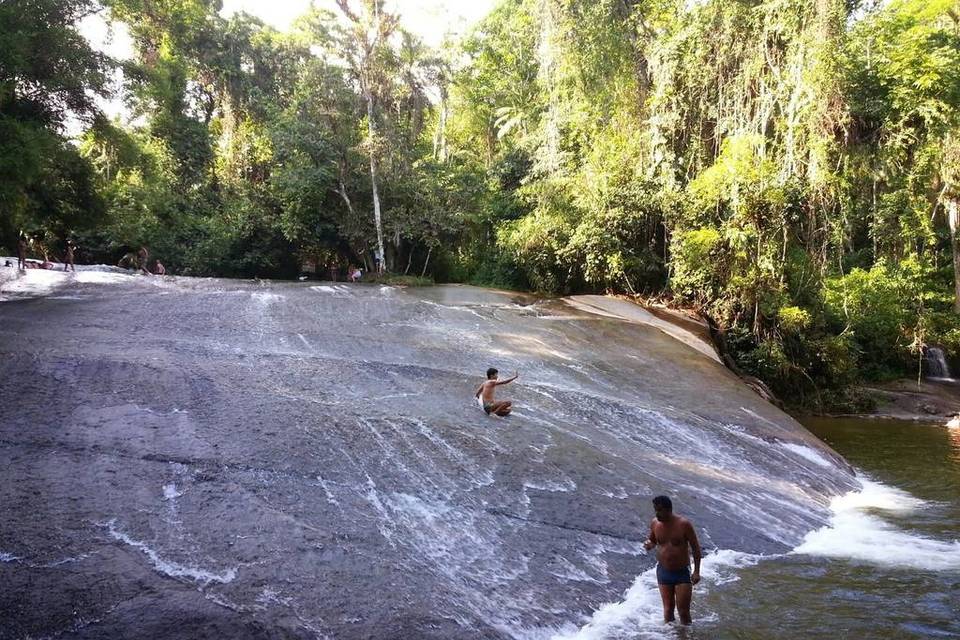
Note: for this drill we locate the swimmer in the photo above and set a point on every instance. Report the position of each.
(674, 538)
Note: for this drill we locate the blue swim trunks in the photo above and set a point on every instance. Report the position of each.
(673, 578)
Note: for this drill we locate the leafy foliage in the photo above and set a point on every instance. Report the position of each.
(790, 168)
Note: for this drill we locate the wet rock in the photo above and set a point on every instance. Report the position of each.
(331, 474)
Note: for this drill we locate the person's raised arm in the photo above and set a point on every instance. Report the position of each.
(508, 380)
(651, 540)
(697, 553)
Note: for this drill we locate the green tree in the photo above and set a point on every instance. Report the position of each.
(48, 73)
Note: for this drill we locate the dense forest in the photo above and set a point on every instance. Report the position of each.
(789, 168)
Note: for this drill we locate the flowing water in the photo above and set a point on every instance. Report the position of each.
(936, 365)
(889, 564)
(200, 458)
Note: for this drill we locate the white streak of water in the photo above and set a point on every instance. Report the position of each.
(855, 531)
(562, 485)
(265, 297)
(167, 567)
(326, 489)
(807, 453)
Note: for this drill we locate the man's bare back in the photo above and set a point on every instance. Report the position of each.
(486, 392)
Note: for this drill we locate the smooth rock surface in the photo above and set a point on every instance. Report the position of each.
(198, 458)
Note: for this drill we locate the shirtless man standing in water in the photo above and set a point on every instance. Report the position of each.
(674, 537)
(487, 388)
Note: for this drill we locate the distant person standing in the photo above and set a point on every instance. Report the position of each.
(159, 269)
(22, 251)
(68, 257)
(674, 538)
(142, 256)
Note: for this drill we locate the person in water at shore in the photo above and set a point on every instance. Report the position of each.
(142, 256)
(674, 538)
(68, 257)
(22, 251)
(486, 391)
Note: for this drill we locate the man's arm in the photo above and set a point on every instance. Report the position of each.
(508, 380)
(651, 540)
(479, 391)
(697, 553)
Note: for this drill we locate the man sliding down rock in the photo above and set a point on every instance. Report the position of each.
(674, 536)
(487, 389)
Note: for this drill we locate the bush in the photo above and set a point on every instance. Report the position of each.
(793, 319)
(401, 280)
(696, 269)
(878, 308)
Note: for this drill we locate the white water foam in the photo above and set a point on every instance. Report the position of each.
(170, 492)
(338, 290)
(102, 277)
(265, 297)
(326, 489)
(856, 532)
(617, 493)
(640, 613)
(8, 557)
(44, 282)
(167, 567)
(68, 560)
(807, 453)
(31, 282)
(563, 485)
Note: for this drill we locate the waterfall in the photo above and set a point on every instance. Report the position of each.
(935, 363)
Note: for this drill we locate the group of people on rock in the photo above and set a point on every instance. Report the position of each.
(353, 272)
(138, 261)
(334, 272)
(23, 245)
(670, 534)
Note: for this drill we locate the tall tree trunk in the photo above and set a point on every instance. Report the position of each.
(440, 135)
(373, 181)
(409, 262)
(953, 216)
(426, 262)
(343, 194)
